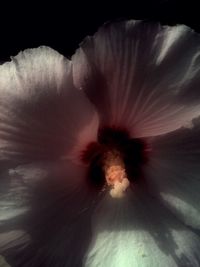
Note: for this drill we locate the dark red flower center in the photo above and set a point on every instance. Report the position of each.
(132, 151)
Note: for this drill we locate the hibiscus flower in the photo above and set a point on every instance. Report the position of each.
(99, 154)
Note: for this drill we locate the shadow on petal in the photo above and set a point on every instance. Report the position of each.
(173, 172)
(58, 222)
(139, 231)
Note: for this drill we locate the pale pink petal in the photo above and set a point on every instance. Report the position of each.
(42, 115)
(139, 232)
(141, 75)
(45, 214)
(173, 172)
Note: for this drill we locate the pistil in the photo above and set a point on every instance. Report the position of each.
(115, 173)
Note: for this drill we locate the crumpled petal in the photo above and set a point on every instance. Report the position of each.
(142, 76)
(138, 231)
(55, 228)
(173, 172)
(42, 115)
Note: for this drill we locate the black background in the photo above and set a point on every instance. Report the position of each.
(63, 26)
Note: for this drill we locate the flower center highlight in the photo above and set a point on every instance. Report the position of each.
(115, 159)
(115, 173)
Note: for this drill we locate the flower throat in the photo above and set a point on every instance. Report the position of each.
(115, 159)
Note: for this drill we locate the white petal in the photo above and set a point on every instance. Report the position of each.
(173, 172)
(56, 228)
(139, 232)
(42, 115)
(142, 76)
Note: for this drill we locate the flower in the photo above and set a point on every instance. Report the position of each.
(100, 155)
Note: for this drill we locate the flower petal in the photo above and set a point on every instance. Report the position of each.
(139, 232)
(3, 263)
(139, 75)
(173, 172)
(42, 115)
(55, 229)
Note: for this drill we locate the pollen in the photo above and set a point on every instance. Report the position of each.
(115, 173)
(114, 161)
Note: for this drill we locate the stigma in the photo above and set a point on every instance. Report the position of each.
(115, 173)
(114, 161)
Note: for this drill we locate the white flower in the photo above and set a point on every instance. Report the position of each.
(99, 155)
